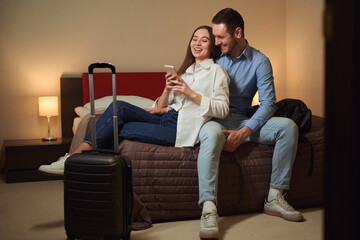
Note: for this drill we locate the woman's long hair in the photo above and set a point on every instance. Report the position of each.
(190, 59)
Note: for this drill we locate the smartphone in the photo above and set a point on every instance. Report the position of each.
(170, 69)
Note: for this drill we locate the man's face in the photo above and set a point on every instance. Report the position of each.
(225, 40)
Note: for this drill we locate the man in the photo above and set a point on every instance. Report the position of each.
(249, 71)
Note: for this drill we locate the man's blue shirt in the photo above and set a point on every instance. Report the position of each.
(250, 72)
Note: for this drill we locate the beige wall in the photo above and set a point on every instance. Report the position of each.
(41, 40)
(305, 53)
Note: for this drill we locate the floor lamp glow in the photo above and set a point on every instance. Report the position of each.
(48, 107)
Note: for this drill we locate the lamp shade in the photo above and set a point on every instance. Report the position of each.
(48, 106)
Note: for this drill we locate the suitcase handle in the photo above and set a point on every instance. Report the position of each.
(101, 65)
(92, 105)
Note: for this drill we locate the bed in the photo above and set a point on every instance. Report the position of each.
(165, 178)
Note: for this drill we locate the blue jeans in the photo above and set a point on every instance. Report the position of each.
(281, 132)
(135, 124)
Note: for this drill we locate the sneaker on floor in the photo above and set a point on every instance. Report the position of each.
(209, 225)
(281, 208)
(56, 168)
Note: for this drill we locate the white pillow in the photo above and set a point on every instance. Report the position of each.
(76, 123)
(104, 102)
(82, 111)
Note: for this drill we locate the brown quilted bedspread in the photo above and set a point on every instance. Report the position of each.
(165, 180)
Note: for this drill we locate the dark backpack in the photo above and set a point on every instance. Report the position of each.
(296, 110)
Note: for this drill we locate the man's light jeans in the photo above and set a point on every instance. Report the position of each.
(278, 131)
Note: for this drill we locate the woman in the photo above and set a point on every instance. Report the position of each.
(190, 98)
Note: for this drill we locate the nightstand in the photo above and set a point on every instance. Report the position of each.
(23, 158)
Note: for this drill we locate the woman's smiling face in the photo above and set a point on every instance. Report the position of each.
(200, 45)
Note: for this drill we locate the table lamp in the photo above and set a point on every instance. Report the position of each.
(48, 106)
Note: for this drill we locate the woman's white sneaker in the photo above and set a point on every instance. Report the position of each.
(56, 168)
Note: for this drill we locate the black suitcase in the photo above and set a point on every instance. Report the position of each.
(98, 185)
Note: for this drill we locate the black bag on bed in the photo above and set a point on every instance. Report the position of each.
(98, 186)
(294, 109)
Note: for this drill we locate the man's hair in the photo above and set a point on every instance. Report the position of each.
(231, 18)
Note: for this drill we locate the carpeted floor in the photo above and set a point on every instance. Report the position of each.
(34, 210)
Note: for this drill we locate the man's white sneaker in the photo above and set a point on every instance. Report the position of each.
(281, 208)
(209, 228)
(56, 168)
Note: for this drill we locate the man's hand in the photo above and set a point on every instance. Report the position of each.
(236, 138)
(157, 111)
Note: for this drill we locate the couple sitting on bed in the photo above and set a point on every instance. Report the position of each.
(199, 92)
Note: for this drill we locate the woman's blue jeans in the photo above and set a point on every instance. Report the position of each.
(135, 124)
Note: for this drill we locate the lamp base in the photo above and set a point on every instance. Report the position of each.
(49, 139)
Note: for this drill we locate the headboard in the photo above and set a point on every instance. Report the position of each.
(75, 91)
(143, 84)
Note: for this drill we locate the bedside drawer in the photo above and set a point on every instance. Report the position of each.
(23, 158)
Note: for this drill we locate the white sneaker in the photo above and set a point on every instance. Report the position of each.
(56, 168)
(281, 208)
(209, 225)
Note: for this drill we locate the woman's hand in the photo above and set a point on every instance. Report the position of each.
(168, 83)
(157, 111)
(177, 84)
(163, 99)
